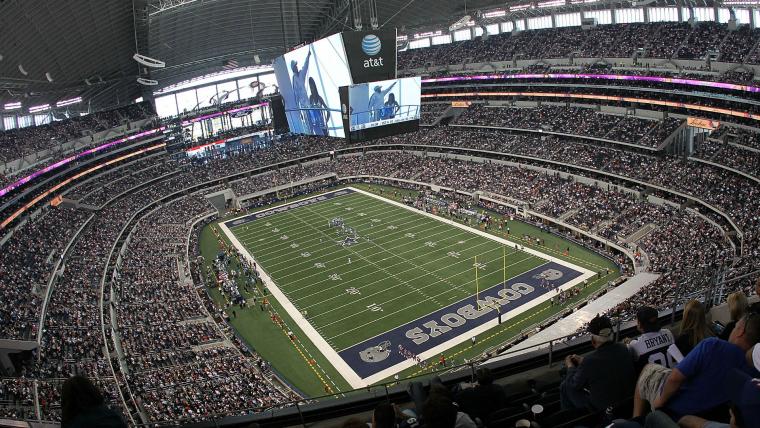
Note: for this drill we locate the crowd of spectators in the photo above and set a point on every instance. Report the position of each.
(731, 155)
(574, 120)
(174, 353)
(15, 143)
(104, 189)
(650, 40)
(26, 263)
(431, 111)
(16, 399)
(739, 136)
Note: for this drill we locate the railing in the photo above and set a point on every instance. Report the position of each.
(383, 116)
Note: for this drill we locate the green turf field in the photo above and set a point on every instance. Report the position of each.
(404, 266)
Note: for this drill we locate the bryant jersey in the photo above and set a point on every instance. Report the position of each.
(652, 348)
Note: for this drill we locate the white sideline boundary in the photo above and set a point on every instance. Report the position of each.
(335, 359)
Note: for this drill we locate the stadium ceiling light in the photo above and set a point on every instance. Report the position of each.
(463, 22)
(519, 7)
(147, 82)
(495, 13)
(12, 106)
(148, 61)
(550, 3)
(427, 34)
(39, 108)
(68, 102)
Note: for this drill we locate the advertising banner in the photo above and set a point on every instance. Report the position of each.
(371, 54)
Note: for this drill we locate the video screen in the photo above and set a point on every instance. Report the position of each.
(308, 79)
(384, 103)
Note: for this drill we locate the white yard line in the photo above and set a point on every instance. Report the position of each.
(478, 232)
(391, 266)
(380, 260)
(387, 272)
(340, 365)
(244, 234)
(289, 258)
(415, 303)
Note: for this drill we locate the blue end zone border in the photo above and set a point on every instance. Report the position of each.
(421, 335)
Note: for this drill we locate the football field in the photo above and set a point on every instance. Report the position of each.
(386, 284)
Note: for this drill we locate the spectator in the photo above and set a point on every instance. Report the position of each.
(696, 385)
(652, 345)
(737, 308)
(693, 327)
(484, 398)
(440, 411)
(384, 416)
(602, 378)
(353, 423)
(755, 300)
(82, 406)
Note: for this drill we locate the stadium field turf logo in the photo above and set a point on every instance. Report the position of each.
(375, 354)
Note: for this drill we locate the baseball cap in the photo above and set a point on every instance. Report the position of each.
(647, 316)
(600, 325)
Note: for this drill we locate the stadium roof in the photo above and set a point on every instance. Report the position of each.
(70, 41)
(86, 46)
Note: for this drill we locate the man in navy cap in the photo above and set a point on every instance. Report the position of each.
(601, 379)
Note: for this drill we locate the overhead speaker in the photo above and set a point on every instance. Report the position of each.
(148, 61)
(147, 82)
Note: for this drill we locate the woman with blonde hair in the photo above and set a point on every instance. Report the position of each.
(737, 307)
(693, 327)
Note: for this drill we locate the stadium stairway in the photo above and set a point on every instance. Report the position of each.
(641, 233)
(568, 214)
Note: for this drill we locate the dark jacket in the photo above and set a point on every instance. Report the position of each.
(607, 374)
(482, 400)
